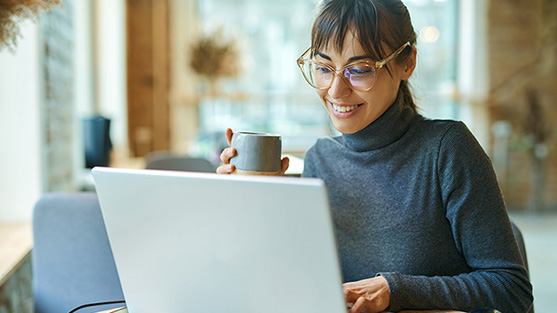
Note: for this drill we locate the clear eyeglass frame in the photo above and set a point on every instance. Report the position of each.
(305, 59)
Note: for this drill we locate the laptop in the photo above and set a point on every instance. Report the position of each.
(202, 242)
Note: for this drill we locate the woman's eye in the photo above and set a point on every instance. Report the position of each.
(359, 70)
(323, 69)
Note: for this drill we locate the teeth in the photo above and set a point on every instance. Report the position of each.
(344, 109)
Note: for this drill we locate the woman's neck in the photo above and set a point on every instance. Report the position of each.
(386, 129)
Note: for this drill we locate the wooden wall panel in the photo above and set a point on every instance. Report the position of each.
(147, 76)
(161, 74)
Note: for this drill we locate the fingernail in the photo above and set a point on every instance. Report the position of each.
(229, 167)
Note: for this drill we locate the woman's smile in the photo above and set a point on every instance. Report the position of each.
(344, 110)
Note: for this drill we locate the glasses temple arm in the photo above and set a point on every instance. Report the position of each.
(303, 54)
(380, 64)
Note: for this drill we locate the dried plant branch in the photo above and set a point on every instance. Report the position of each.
(12, 12)
(213, 57)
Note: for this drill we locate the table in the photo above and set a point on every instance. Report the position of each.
(16, 241)
(124, 310)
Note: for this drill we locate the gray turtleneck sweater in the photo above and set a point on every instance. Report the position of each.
(417, 201)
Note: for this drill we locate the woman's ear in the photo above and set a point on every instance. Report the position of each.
(409, 65)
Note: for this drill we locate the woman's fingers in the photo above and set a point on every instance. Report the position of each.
(368, 295)
(358, 305)
(227, 154)
(225, 157)
(226, 169)
(350, 295)
(229, 134)
(284, 165)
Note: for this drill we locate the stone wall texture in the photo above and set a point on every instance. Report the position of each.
(16, 295)
(59, 105)
(522, 58)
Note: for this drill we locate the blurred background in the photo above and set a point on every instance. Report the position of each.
(110, 82)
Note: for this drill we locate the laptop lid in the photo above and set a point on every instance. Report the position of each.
(198, 242)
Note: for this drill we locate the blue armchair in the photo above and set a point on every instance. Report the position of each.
(72, 261)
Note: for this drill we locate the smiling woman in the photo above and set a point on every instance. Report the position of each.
(419, 216)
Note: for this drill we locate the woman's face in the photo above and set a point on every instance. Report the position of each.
(351, 110)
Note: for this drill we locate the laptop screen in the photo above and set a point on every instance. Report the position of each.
(196, 242)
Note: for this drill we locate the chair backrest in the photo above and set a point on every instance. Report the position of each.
(521, 246)
(179, 163)
(522, 249)
(71, 259)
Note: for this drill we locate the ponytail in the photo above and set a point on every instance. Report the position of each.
(407, 96)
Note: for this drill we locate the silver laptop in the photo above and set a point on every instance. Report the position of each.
(198, 242)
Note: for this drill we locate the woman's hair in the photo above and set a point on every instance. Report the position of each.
(375, 22)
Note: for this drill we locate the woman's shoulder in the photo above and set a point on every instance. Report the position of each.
(439, 124)
(444, 129)
(446, 136)
(453, 137)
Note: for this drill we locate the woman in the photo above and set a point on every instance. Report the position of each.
(420, 220)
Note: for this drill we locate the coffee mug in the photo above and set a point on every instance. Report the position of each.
(256, 153)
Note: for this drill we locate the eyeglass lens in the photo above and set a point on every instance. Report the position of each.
(360, 76)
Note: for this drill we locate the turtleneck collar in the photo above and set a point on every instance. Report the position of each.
(386, 129)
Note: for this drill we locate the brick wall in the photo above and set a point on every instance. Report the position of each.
(58, 106)
(522, 58)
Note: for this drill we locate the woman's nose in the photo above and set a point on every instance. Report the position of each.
(339, 88)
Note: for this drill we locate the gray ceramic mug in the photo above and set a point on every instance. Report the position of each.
(257, 153)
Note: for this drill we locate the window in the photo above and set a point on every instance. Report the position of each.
(270, 95)
(434, 80)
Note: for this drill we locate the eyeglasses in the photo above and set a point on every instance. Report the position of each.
(360, 75)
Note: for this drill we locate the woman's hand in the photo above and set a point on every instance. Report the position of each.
(230, 152)
(368, 296)
(226, 155)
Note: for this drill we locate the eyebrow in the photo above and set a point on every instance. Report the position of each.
(350, 60)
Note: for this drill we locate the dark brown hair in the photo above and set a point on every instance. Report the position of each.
(375, 22)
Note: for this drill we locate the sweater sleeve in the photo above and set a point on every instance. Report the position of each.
(482, 233)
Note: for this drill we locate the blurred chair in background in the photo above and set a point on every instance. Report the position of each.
(162, 160)
(71, 259)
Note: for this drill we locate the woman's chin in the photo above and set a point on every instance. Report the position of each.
(343, 128)
(347, 123)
